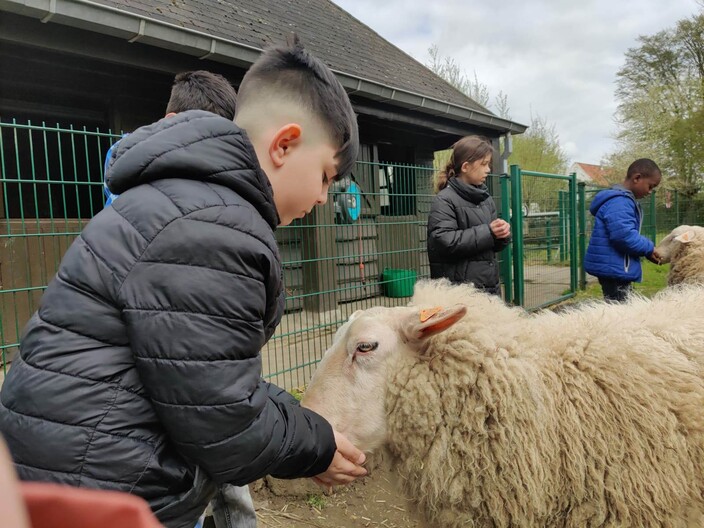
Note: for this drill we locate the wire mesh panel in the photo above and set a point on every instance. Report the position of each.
(666, 209)
(50, 185)
(549, 217)
(365, 247)
(662, 210)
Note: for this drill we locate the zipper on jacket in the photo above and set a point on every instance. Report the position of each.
(639, 212)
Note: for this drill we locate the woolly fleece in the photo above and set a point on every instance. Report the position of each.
(686, 260)
(591, 417)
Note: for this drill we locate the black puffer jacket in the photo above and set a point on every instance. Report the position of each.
(141, 370)
(461, 247)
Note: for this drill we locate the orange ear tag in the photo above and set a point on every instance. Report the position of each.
(430, 312)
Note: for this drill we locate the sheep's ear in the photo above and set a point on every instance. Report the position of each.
(355, 314)
(425, 323)
(686, 237)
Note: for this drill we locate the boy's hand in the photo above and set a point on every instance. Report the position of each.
(500, 228)
(346, 465)
(654, 257)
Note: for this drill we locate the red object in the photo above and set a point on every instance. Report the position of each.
(57, 506)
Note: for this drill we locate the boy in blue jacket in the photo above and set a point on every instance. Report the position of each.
(616, 245)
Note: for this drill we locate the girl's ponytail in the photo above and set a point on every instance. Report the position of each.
(441, 178)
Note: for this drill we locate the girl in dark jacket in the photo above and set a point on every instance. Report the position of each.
(464, 232)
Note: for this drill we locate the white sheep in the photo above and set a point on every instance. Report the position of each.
(591, 417)
(683, 248)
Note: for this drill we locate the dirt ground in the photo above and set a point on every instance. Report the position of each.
(369, 502)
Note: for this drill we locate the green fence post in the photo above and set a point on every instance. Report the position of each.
(507, 257)
(653, 228)
(573, 231)
(562, 230)
(582, 217)
(517, 230)
(677, 208)
(548, 236)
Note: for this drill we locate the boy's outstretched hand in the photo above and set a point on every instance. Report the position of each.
(655, 258)
(346, 465)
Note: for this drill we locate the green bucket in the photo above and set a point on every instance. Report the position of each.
(398, 282)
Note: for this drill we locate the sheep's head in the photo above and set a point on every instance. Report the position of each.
(349, 387)
(677, 240)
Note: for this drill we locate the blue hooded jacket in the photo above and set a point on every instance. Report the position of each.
(616, 243)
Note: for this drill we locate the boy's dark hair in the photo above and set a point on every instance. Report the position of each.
(643, 166)
(467, 149)
(202, 90)
(291, 70)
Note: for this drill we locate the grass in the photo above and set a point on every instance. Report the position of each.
(538, 255)
(297, 392)
(654, 280)
(316, 501)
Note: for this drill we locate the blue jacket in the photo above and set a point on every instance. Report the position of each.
(616, 243)
(109, 196)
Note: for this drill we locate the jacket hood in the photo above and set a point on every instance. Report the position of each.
(472, 193)
(193, 145)
(604, 196)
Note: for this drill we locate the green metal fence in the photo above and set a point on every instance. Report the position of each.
(662, 211)
(51, 184)
(666, 209)
(544, 226)
(333, 268)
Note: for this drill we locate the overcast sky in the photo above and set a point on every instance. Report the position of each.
(554, 58)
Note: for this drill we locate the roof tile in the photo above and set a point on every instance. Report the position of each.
(336, 37)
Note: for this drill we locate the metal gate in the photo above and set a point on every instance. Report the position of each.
(543, 264)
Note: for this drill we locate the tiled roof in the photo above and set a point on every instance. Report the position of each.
(332, 34)
(596, 173)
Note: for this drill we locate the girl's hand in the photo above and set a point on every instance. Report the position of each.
(500, 228)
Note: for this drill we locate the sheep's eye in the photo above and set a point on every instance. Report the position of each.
(367, 347)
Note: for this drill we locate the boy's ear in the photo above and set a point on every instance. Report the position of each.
(285, 137)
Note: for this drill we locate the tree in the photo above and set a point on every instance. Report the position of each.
(660, 90)
(502, 107)
(450, 71)
(538, 149)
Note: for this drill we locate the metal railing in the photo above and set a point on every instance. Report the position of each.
(366, 246)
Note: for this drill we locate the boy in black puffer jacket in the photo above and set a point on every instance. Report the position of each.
(141, 370)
